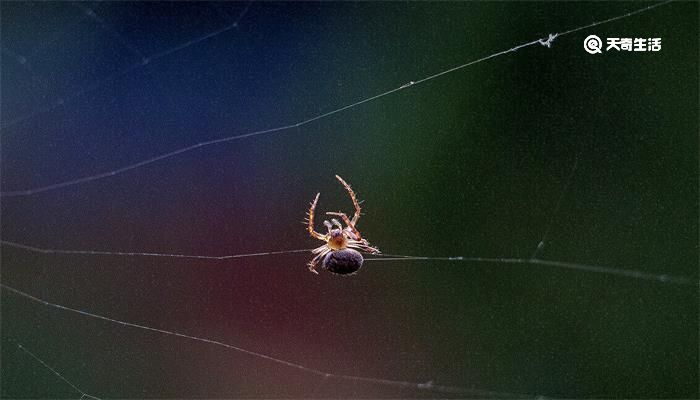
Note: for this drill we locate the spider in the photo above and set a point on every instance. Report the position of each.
(339, 254)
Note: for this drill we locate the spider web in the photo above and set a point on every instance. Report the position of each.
(115, 123)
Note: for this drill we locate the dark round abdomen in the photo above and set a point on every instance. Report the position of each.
(343, 262)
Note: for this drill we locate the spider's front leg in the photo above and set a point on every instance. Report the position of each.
(356, 203)
(310, 218)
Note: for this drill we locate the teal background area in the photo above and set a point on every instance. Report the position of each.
(473, 163)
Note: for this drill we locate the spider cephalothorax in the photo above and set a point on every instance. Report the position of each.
(339, 254)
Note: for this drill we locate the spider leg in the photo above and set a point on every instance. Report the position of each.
(320, 252)
(349, 223)
(363, 245)
(310, 217)
(356, 203)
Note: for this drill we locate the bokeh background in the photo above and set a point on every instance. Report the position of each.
(472, 163)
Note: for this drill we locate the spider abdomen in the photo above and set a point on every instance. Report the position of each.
(343, 262)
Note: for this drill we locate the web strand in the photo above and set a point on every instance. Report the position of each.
(430, 386)
(83, 394)
(141, 63)
(547, 42)
(628, 273)
(144, 254)
(107, 28)
(543, 242)
(36, 50)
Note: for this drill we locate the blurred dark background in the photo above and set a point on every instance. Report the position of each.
(472, 163)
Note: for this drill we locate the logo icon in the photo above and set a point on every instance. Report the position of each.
(592, 44)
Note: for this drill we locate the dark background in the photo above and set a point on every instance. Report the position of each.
(471, 163)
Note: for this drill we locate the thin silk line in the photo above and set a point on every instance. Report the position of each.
(142, 62)
(545, 42)
(380, 381)
(629, 273)
(84, 395)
